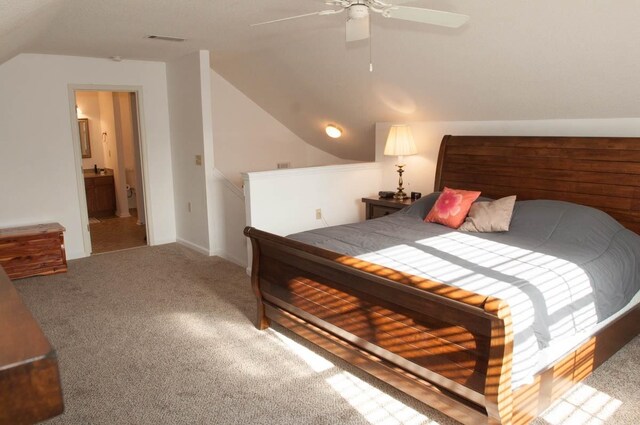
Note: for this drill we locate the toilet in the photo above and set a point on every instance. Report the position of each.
(130, 177)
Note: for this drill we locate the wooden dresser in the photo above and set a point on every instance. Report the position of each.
(30, 389)
(33, 250)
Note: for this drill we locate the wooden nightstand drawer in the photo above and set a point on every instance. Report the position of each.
(380, 211)
(377, 207)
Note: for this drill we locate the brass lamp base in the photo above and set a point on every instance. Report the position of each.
(400, 195)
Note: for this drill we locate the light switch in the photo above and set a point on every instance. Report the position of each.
(198, 159)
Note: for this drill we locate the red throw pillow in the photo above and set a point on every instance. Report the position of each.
(452, 207)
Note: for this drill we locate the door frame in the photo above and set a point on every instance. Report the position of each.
(77, 156)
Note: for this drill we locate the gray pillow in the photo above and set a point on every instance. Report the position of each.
(422, 206)
(492, 216)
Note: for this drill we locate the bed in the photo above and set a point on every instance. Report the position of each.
(450, 347)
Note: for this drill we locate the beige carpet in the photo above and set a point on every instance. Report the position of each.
(164, 335)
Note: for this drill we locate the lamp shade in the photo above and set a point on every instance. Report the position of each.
(400, 141)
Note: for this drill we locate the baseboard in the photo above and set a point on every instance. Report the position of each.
(235, 260)
(161, 242)
(73, 255)
(214, 252)
(193, 246)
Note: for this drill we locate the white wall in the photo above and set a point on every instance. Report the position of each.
(37, 159)
(90, 108)
(126, 146)
(188, 113)
(229, 220)
(122, 120)
(421, 168)
(285, 201)
(127, 130)
(108, 128)
(247, 138)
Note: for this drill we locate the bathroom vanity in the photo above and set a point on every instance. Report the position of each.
(101, 193)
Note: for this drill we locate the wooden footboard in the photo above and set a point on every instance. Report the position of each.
(442, 345)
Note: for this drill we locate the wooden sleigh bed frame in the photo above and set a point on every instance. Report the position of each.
(447, 347)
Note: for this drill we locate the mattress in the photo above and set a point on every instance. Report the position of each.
(560, 348)
(563, 268)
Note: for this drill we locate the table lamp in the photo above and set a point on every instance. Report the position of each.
(400, 143)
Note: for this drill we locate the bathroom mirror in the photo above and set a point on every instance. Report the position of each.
(85, 142)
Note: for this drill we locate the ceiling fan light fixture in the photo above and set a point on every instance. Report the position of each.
(358, 11)
(333, 131)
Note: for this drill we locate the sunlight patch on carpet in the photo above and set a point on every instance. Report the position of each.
(377, 407)
(582, 405)
(198, 327)
(316, 362)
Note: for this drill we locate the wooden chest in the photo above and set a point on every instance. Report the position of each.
(33, 250)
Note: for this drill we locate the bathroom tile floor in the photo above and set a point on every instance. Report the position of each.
(115, 233)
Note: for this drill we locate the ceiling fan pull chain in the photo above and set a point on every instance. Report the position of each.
(370, 50)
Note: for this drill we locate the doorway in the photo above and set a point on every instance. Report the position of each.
(109, 138)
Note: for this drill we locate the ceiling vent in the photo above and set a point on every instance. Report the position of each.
(165, 38)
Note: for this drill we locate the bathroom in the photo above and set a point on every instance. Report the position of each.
(110, 147)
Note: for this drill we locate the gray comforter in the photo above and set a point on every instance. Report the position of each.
(561, 267)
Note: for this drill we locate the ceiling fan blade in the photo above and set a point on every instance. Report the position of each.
(427, 16)
(321, 13)
(357, 29)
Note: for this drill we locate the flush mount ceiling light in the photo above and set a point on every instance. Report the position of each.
(333, 131)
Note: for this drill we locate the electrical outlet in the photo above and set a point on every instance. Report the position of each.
(319, 214)
(189, 206)
(198, 159)
(282, 165)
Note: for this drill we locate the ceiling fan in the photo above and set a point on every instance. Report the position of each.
(358, 15)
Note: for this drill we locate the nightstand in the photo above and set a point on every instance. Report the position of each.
(379, 207)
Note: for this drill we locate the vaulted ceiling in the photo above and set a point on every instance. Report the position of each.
(515, 59)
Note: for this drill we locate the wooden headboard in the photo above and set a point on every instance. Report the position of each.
(601, 172)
